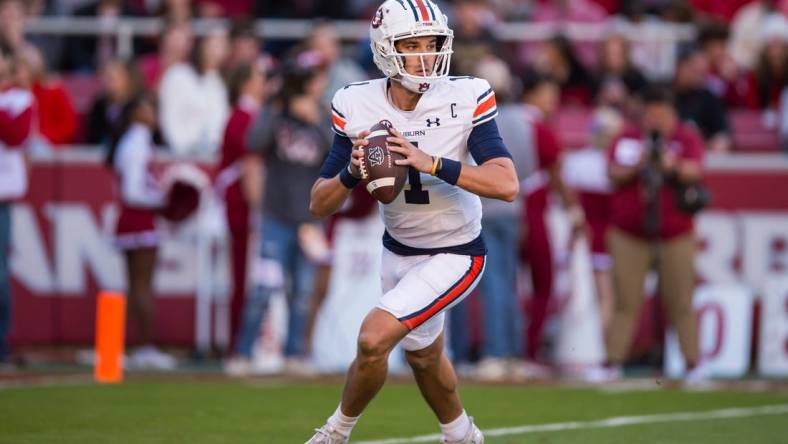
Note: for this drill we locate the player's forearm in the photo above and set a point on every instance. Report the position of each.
(327, 197)
(496, 179)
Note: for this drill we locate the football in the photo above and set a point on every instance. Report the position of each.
(384, 178)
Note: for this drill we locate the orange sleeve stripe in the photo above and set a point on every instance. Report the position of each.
(484, 106)
(338, 121)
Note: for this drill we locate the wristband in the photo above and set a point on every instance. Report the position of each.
(449, 171)
(347, 178)
(436, 161)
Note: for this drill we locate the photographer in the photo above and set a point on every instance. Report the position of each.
(651, 167)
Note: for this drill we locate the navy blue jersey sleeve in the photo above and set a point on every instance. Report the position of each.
(338, 157)
(485, 143)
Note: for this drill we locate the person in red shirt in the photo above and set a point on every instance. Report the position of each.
(16, 111)
(542, 97)
(247, 87)
(646, 165)
(54, 113)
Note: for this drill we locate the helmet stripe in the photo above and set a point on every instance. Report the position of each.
(432, 11)
(425, 16)
(413, 9)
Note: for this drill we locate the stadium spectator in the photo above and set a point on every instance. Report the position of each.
(783, 125)
(646, 165)
(130, 157)
(292, 136)
(771, 71)
(85, 53)
(239, 190)
(617, 81)
(585, 170)
(557, 59)
(473, 38)
(55, 116)
(16, 116)
(341, 70)
(225, 8)
(360, 204)
(175, 46)
(714, 10)
(177, 11)
(747, 30)
(561, 12)
(245, 47)
(541, 102)
(193, 99)
(697, 104)
(724, 78)
(502, 320)
(14, 15)
(121, 80)
(305, 9)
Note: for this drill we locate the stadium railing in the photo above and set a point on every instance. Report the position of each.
(663, 35)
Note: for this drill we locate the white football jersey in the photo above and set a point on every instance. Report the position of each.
(429, 213)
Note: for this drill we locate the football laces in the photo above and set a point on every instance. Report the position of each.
(363, 165)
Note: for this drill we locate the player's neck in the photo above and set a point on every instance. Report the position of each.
(401, 97)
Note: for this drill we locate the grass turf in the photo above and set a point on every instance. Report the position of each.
(214, 412)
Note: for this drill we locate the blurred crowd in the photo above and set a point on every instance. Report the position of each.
(736, 61)
(260, 110)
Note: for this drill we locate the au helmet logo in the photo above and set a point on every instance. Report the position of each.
(375, 156)
(424, 86)
(377, 20)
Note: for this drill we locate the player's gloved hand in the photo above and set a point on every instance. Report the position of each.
(357, 156)
(413, 156)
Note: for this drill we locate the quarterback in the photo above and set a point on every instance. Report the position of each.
(434, 254)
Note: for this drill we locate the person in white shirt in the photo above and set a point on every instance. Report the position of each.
(193, 99)
(131, 159)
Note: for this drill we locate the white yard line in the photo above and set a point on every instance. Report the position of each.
(619, 421)
(46, 381)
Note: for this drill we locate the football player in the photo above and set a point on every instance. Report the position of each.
(434, 254)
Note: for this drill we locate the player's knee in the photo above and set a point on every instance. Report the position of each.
(372, 346)
(420, 361)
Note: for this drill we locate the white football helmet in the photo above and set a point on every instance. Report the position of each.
(400, 19)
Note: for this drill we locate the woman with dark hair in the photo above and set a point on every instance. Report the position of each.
(617, 80)
(130, 157)
(766, 83)
(193, 98)
(292, 135)
(121, 80)
(557, 59)
(240, 191)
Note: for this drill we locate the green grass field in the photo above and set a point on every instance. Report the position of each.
(212, 410)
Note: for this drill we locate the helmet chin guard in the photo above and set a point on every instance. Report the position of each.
(401, 19)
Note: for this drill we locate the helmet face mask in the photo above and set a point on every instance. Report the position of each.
(394, 22)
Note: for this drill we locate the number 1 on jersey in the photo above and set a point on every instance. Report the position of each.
(416, 195)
